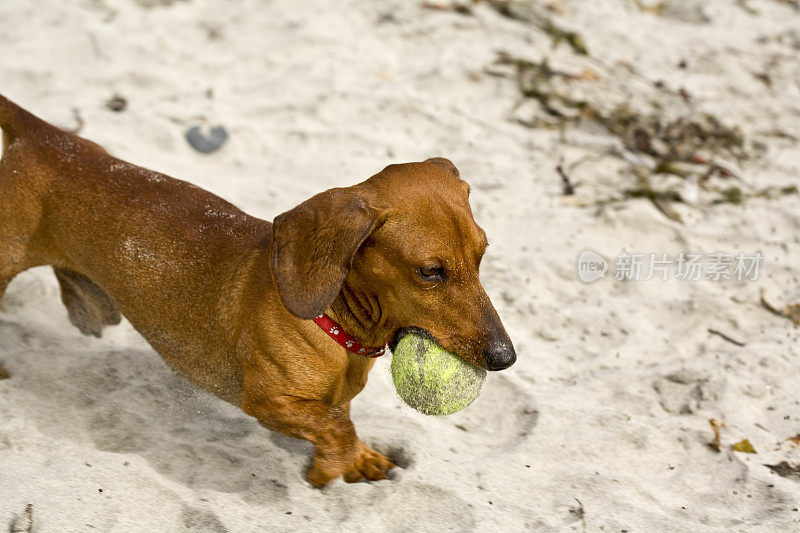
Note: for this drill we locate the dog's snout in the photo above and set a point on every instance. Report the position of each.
(500, 355)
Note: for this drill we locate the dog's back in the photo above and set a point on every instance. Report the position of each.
(105, 223)
(20, 189)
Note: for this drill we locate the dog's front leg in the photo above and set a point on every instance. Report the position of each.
(326, 426)
(337, 449)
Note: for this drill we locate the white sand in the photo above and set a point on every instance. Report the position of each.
(610, 399)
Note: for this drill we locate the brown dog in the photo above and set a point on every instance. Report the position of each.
(228, 299)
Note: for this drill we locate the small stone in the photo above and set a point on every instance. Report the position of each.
(206, 143)
(117, 103)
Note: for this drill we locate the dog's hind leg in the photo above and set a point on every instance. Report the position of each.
(90, 308)
(4, 281)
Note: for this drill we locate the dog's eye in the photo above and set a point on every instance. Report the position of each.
(431, 273)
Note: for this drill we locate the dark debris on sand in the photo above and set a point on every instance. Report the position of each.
(668, 138)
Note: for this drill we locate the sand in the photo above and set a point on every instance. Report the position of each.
(602, 425)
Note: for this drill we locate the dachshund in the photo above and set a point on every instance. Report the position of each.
(284, 318)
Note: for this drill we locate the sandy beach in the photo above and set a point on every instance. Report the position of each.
(676, 129)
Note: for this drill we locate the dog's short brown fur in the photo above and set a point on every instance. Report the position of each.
(226, 299)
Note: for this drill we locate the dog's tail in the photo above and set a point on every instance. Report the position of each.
(8, 121)
(12, 118)
(8, 117)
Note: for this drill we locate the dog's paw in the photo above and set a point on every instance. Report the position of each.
(364, 465)
(322, 471)
(369, 465)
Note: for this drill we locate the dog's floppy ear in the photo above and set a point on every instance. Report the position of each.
(450, 167)
(313, 246)
(444, 163)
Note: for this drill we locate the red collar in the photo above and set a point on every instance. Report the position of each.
(337, 333)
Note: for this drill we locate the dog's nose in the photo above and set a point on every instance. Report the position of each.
(499, 355)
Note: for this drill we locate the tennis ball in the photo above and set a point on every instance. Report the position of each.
(432, 380)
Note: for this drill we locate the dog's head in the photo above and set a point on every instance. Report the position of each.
(402, 251)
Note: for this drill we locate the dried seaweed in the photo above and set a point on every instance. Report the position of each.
(735, 195)
(725, 337)
(528, 12)
(753, 11)
(791, 312)
(655, 9)
(680, 139)
(744, 446)
(559, 35)
(566, 184)
(537, 81)
(464, 8)
(668, 140)
(660, 199)
(580, 512)
(784, 469)
(716, 427)
(23, 522)
(525, 12)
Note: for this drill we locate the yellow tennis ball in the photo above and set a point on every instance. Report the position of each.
(432, 380)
